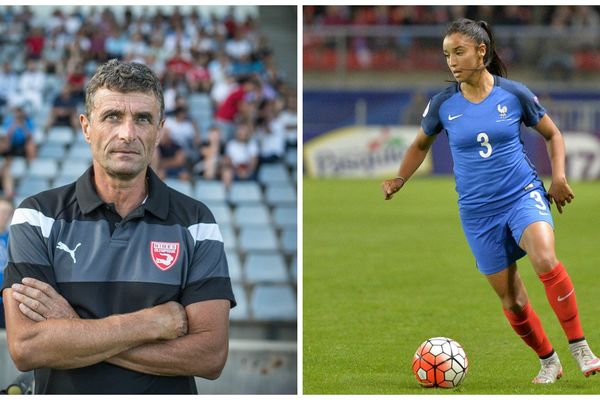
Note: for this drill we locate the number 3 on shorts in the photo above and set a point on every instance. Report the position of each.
(538, 199)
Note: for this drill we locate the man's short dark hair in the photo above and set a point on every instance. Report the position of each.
(124, 77)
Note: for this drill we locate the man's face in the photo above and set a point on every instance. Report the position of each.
(123, 130)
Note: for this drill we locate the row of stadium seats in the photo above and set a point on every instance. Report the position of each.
(265, 302)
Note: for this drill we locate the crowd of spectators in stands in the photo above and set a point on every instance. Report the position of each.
(218, 76)
(573, 30)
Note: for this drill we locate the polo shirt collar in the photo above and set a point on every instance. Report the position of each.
(157, 202)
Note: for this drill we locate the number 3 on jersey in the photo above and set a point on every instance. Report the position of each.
(485, 142)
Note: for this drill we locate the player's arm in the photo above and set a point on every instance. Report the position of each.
(560, 192)
(202, 352)
(415, 154)
(66, 343)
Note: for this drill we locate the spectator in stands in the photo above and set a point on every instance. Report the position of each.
(184, 132)
(247, 90)
(172, 161)
(211, 151)
(35, 43)
(287, 118)
(16, 141)
(271, 137)
(64, 110)
(9, 83)
(241, 156)
(31, 85)
(6, 212)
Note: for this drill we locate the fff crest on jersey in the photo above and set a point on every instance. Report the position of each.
(164, 254)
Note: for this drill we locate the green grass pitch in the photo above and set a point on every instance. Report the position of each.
(380, 277)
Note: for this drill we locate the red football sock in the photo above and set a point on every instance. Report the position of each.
(561, 295)
(528, 326)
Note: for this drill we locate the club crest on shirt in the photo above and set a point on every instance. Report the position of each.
(164, 254)
(502, 110)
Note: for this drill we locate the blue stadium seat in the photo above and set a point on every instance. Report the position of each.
(273, 173)
(294, 269)
(291, 157)
(54, 151)
(79, 151)
(60, 134)
(179, 185)
(245, 192)
(273, 303)
(43, 167)
(257, 238)
(229, 238)
(18, 167)
(284, 217)
(280, 195)
(265, 268)
(235, 266)
(246, 215)
(32, 185)
(222, 213)
(73, 169)
(240, 311)
(210, 191)
(288, 241)
(62, 181)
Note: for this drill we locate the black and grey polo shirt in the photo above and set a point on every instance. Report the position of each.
(169, 248)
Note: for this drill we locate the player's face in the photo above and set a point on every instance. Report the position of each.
(123, 130)
(463, 56)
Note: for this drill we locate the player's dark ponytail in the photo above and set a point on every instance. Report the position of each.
(481, 32)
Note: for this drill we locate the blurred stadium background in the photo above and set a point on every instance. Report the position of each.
(377, 66)
(380, 277)
(43, 49)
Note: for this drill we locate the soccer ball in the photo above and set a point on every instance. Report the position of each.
(440, 362)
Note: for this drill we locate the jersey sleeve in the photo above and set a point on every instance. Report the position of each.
(532, 110)
(431, 123)
(28, 254)
(208, 275)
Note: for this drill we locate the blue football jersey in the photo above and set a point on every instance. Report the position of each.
(490, 164)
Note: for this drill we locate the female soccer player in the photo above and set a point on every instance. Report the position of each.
(504, 207)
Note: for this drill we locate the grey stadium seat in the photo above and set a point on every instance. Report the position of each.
(210, 191)
(273, 173)
(235, 266)
(265, 268)
(55, 151)
(222, 213)
(288, 241)
(280, 195)
(273, 303)
(179, 185)
(284, 217)
(246, 215)
(229, 238)
(258, 238)
(240, 312)
(245, 192)
(43, 167)
(32, 185)
(73, 169)
(60, 134)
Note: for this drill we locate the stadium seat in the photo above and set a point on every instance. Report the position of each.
(245, 192)
(62, 181)
(210, 191)
(291, 157)
(54, 151)
(240, 311)
(73, 169)
(280, 195)
(235, 266)
(60, 134)
(273, 173)
(294, 269)
(288, 241)
(18, 167)
(229, 238)
(250, 214)
(284, 217)
(43, 167)
(265, 268)
(79, 151)
(222, 213)
(257, 238)
(201, 111)
(273, 303)
(32, 185)
(179, 185)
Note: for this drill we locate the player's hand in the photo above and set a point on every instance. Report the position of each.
(391, 186)
(171, 319)
(560, 193)
(39, 301)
